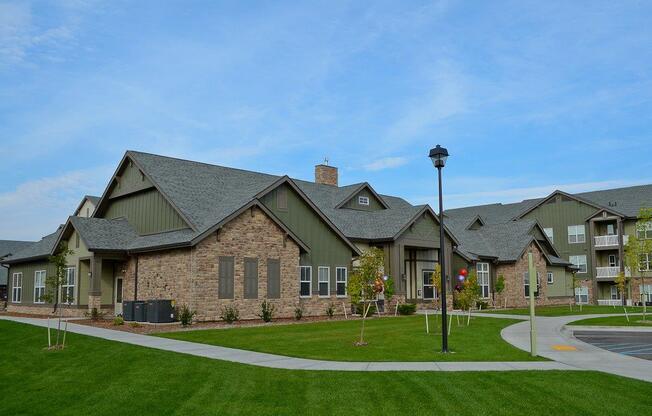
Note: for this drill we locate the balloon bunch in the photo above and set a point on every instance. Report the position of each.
(463, 273)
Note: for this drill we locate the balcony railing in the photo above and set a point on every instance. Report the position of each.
(606, 272)
(609, 240)
(610, 302)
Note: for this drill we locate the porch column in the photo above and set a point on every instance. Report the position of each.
(95, 285)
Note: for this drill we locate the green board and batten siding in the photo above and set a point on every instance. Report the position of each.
(374, 203)
(558, 213)
(28, 270)
(329, 249)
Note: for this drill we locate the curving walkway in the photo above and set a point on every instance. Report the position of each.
(552, 331)
(290, 363)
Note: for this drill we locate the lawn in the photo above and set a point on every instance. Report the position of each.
(565, 310)
(616, 321)
(390, 339)
(94, 376)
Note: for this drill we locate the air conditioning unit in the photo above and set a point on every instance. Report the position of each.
(160, 311)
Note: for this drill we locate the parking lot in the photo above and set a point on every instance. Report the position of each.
(635, 344)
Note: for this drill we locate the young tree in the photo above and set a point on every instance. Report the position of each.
(470, 292)
(363, 284)
(436, 282)
(53, 290)
(637, 247)
(499, 286)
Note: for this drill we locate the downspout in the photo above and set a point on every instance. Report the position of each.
(136, 280)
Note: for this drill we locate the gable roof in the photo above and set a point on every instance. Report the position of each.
(552, 195)
(92, 199)
(8, 247)
(364, 185)
(38, 250)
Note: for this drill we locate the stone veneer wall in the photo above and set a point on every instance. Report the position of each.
(514, 290)
(190, 275)
(68, 312)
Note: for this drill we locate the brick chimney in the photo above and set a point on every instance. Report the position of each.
(325, 174)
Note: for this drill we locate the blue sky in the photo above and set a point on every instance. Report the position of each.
(527, 96)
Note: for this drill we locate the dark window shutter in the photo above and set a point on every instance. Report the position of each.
(251, 278)
(225, 282)
(273, 278)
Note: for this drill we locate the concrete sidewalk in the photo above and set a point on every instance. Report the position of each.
(553, 335)
(290, 363)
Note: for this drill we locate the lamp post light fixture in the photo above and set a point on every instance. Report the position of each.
(438, 155)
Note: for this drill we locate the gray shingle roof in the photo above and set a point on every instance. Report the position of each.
(39, 249)
(104, 234)
(12, 246)
(94, 199)
(627, 201)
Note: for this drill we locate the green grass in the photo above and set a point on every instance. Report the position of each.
(94, 376)
(565, 310)
(615, 321)
(390, 339)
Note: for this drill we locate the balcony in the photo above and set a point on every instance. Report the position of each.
(602, 241)
(609, 273)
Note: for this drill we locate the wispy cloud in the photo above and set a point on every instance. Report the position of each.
(35, 208)
(386, 163)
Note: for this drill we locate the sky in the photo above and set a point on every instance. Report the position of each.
(528, 96)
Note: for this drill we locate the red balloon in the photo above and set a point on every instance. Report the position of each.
(464, 272)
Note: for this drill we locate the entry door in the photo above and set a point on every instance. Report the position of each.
(117, 296)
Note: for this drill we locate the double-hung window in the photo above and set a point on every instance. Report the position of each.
(68, 286)
(39, 286)
(645, 232)
(614, 293)
(17, 287)
(582, 294)
(645, 262)
(341, 279)
(483, 279)
(526, 284)
(550, 278)
(646, 293)
(305, 281)
(576, 234)
(324, 280)
(550, 233)
(579, 262)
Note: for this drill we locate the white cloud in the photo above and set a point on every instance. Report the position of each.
(35, 208)
(386, 163)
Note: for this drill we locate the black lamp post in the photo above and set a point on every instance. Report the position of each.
(438, 156)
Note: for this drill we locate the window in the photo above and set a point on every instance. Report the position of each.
(550, 233)
(580, 262)
(550, 278)
(341, 279)
(576, 234)
(225, 272)
(39, 286)
(363, 200)
(68, 288)
(305, 281)
(483, 279)
(429, 290)
(526, 284)
(273, 279)
(614, 293)
(582, 294)
(645, 262)
(613, 260)
(646, 293)
(611, 230)
(645, 232)
(76, 240)
(17, 288)
(251, 278)
(324, 280)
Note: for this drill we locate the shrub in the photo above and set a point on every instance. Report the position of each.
(134, 325)
(298, 313)
(230, 314)
(117, 321)
(95, 314)
(483, 305)
(266, 311)
(407, 308)
(186, 315)
(330, 311)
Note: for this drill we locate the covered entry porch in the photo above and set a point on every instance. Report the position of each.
(105, 273)
(419, 265)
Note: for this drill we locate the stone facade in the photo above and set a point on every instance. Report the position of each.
(67, 311)
(190, 276)
(514, 291)
(326, 175)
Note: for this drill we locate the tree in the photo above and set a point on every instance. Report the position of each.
(470, 292)
(436, 282)
(499, 286)
(53, 290)
(363, 284)
(637, 247)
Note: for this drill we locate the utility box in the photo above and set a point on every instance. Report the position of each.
(160, 311)
(140, 311)
(128, 310)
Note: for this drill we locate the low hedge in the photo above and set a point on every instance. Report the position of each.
(407, 308)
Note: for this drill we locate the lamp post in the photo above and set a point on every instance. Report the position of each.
(438, 156)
